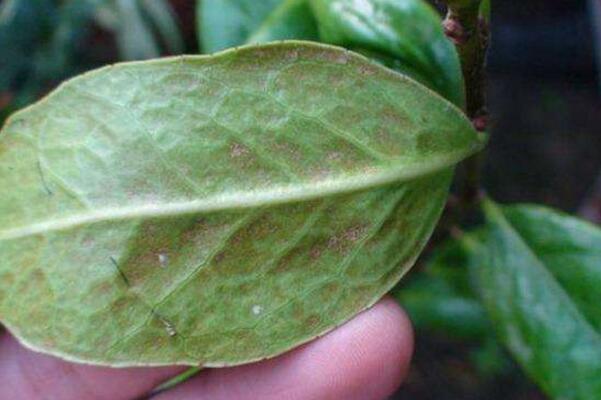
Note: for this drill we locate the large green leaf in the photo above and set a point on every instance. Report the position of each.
(162, 17)
(292, 19)
(407, 30)
(228, 23)
(216, 210)
(539, 273)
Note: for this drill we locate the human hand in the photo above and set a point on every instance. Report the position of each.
(365, 359)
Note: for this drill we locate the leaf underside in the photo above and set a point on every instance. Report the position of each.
(216, 210)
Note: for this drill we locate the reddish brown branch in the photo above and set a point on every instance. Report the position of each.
(469, 31)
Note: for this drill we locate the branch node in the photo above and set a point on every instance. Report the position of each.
(481, 120)
(455, 31)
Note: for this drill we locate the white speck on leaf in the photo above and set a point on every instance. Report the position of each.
(237, 150)
(169, 328)
(163, 259)
(257, 309)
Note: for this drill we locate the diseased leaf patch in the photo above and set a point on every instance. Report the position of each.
(217, 210)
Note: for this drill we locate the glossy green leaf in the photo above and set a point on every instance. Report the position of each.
(134, 37)
(162, 17)
(441, 301)
(539, 273)
(434, 307)
(215, 210)
(395, 64)
(406, 36)
(143, 28)
(407, 30)
(292, 19)
(439, 298)
(228, 23)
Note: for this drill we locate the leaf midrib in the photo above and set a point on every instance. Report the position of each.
(239, 200)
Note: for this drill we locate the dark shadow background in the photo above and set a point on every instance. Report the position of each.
(544, 96)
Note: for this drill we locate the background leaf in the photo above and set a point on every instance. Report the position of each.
(440, 298)
(224, 24)
(134, 37)
(228, 23)
(217, 210)
(407, 30)
(162, 17)
(142, 27)
(292, 19)
(539, 273)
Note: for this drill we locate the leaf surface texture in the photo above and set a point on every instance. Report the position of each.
(217, 210)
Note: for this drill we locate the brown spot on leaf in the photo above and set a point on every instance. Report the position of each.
(7, 278)
(37, 277)
(289, 149)
(345, 239)
(334, 155)
(298, 311)
(331, 288)
(101, 289)
(219, 257)
(312, 321)
(315, 252)
(366, 69)
(260, 228)
(291, 55)
(237, 150)
(285, 262)
(244, 288)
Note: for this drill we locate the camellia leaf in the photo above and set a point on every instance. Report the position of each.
(539, 273)
(228, 23)
(215, 210)
(407, 30)
(292, 19)
(440, 298)
(395, 64)
(161, 16)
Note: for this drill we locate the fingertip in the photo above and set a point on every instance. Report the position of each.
(369, 357)
(401, 335)
(25, 374)
(365, 359)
